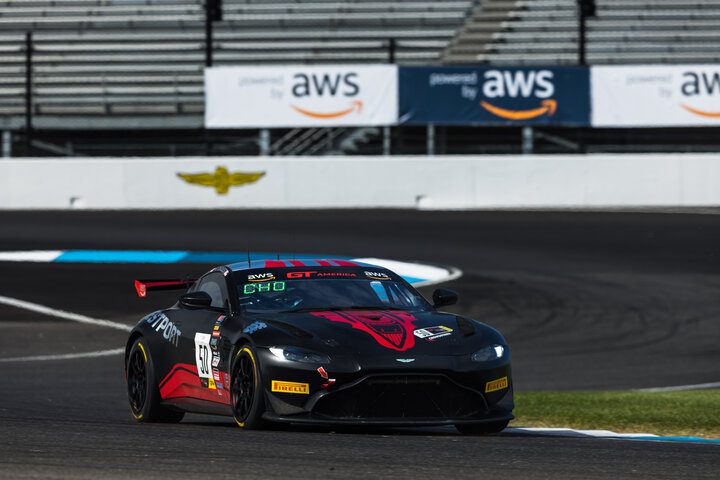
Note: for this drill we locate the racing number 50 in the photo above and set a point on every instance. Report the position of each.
(203, 356)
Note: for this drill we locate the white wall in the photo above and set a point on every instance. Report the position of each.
(467, 182)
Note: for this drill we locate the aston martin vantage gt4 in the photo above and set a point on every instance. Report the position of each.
(316, 342)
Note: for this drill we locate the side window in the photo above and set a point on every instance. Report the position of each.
(214, 285)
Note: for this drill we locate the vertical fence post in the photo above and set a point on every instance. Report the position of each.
(391, 50)
(6, 144)
(528, 140)
(28, 92)
(430, 139)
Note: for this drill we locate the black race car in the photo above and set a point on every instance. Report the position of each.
(315, 342)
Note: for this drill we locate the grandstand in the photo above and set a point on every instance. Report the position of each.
(128, 63)
(127, 75)
(545, 32)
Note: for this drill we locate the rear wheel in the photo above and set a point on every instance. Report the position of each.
(247, 399)
(482, 428)
(143, 393)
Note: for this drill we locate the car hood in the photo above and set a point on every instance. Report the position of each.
(386, 333)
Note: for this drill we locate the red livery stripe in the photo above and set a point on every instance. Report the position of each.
(345, 263)
(274, 263)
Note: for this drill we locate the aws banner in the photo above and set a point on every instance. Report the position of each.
(656, 96)
(300, 96)
(494, 96)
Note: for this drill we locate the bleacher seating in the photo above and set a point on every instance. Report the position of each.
(535, 32)
(125, 63)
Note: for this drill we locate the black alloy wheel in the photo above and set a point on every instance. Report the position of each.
(246, 390)
(137, 381)
(143, 394)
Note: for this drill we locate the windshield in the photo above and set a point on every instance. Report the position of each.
(327, 294)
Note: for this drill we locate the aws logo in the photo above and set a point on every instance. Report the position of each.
(341, 86)
(704, 84)
(500, 84)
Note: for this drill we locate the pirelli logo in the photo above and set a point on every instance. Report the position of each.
(290, 387)
(495, 385)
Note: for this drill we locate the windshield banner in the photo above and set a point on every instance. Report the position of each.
(656, 96)
(494, 96)
(300, 96)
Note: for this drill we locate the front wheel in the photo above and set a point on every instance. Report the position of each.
(482, 428)
(142, 388)
(247, 396)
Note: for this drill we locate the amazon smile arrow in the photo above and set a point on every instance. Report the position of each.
(548, 107)
(356, 105)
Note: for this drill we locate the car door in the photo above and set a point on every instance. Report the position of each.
(201, 333)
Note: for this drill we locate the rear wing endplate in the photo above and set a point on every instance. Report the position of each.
(142, 287)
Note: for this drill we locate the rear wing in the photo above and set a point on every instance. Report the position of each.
(144, 286)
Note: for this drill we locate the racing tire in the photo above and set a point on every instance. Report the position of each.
(143, 392)
(482, 428)
(248, 402)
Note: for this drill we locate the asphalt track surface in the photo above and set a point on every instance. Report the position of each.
(586, 300)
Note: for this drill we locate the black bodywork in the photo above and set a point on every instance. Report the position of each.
(380, 370)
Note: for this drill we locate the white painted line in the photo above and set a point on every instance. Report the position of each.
(75, 317)
(678, 388)
(66, 356)
(30, 256)
(571, 432)
(431, 274)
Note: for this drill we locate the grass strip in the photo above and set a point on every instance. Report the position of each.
(687, 413)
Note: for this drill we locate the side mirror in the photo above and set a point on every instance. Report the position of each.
(443, 296)
(195, 300)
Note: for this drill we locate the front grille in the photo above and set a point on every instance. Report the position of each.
(402, 396)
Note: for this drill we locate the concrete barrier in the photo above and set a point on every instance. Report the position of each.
(449, 182)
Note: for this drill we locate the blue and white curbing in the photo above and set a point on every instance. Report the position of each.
(606, 434)
(418, 274)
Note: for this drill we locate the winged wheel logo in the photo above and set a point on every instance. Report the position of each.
(222, 179)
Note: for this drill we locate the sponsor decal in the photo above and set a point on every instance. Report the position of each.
(211, 384)
(203, 354)
(657, 95)
(254, 327)
(377, 275)
(328, 381)
(314, 274)
(391, 330)
(299, 274)
(496, 385)
(405, 360)
(216, 333)
(216, 327)
(220, 319)
(700, 84)
(260, 277)
(214, 343)
(290, 387)
(215, 359)
(250, 288)
(160, 322)
(495, 96)
(501, 84)
(433, 333)
(216, 375)
(300, 96)
(222, 179)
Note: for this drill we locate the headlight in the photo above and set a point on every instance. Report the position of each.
(295, 354)
(489, 353)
